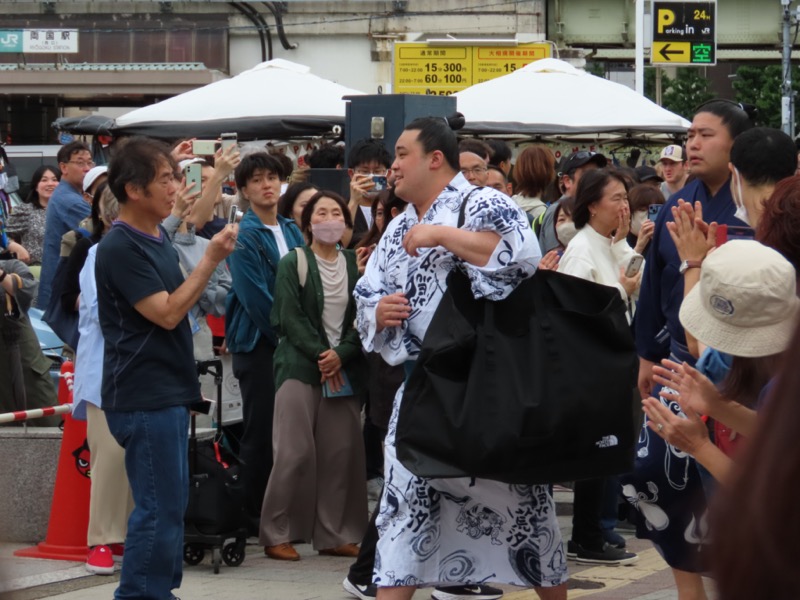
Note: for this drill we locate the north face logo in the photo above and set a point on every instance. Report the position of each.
(607, 441)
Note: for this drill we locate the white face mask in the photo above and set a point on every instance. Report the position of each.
(328, 232)
(738, 198)
(565, 232)
(637, 220)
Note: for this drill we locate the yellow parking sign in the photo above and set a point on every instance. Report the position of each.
(671, 52)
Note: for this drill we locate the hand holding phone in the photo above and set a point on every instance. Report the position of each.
(634, 265)
(652, 211)
(233, 214)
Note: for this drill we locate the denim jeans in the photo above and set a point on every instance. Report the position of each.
(156, 447)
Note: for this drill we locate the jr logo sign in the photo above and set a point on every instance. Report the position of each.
(10, 41)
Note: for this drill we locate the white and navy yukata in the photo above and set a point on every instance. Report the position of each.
(448, 531)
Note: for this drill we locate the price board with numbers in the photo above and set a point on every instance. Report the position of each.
(443, 70)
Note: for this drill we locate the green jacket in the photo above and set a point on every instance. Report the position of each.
(297, 319)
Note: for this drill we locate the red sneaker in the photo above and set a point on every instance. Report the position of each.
(100, 561)
(117, 551)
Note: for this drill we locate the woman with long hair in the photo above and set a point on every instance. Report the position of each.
(26, 221)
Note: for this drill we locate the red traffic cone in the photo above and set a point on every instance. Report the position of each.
(69, 511)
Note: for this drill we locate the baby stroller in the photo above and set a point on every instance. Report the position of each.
(213, 519)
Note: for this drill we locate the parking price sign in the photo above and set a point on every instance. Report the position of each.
(443, 70)
(684, 33)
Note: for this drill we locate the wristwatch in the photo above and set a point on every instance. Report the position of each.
(689, 264)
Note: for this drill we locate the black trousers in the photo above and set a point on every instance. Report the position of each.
(257, 384)
(373, 447)
(588, 503)
(361, 571)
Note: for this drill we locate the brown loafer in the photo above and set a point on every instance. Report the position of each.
(350, 550)
(283, 551)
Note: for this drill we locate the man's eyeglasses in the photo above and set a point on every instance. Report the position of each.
(475, 171)
(377, 172)
(81, 163)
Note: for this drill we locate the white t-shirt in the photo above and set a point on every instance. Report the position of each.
(367, 212)
(283, 249)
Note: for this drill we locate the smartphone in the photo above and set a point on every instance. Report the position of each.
(635, 263)
(380, 183)
(204, 147)
(193, 173)
(228, 140)
(726, 233)
(233, 214)
(652, 211)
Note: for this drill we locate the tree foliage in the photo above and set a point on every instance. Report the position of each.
(761, 87)
(688, 90)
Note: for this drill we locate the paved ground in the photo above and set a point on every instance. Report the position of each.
(313, 578)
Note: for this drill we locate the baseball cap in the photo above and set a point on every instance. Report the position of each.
(745, 303)
(673, 153)
(189, 161)
(578, 159)
(92, 175)
(646, 173)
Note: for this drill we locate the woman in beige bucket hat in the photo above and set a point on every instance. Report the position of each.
(744, 305)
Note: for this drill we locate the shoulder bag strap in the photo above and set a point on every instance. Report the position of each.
(302, 266)
(463, 209)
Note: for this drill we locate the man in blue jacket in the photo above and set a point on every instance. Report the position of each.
(264, 237)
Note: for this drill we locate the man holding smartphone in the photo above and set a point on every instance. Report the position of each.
(367, 160)
(149, 374)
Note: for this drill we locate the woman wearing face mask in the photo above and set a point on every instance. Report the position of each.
(640, 197)
(316, 488)
(564, 232)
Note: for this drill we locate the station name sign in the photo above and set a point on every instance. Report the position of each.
(38, 41)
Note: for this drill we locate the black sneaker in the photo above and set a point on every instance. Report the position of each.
(466, 592)
(363, 592)
(607, 556)
(614, 539)
(572, 550)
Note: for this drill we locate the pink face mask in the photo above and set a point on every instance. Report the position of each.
(328, 232)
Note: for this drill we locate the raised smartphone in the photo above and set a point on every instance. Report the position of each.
(228, 140)
(193, 174)
(652, 211)
(204, 147)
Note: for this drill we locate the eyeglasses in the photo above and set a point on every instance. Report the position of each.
(475, 171)
(377, 172)
(81, 163)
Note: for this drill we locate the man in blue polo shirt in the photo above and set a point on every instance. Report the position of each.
(149, 374)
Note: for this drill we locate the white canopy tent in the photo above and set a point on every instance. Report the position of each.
(277, 99)
(551, 97)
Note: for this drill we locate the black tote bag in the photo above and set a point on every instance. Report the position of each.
(537, 388)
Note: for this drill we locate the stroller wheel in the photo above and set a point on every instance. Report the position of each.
(192, 554)
(233, 554)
